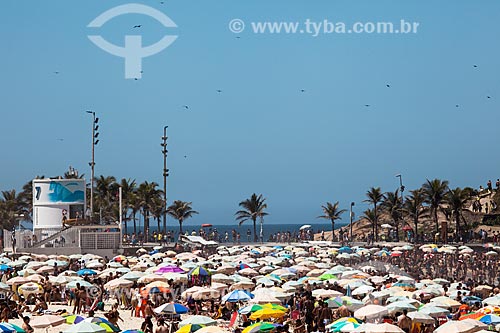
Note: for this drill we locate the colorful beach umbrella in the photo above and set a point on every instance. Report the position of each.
(189, 328)
(104, 323)
(199, 271)
(172, 308)
(85, 327)
(197, 320)
(236, 296)
(267, 313)
(259, 327)
(74, 319)
(13, 327)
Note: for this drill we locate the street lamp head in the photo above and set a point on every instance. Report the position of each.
(96, 120)
(398, 175)
(352, 204)
(91, 112)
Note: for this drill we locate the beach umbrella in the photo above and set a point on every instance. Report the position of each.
(199, 271)
(362, 290)
(83, 283)
(48, 320)
(400, 306)
(378, 328)
(236, 296)
(17, 280)
(74, 319)
(30, 288)
(434, 311)
(13, 328)
(267, 313)
(420, 317)
(345, 249)
(133, 276)
(6, 329)
(151, 278)
(305, 226)
(490, 319)
(461, 326)
(322, 293)
(189, 328)
(371, 311)
(206, 293)
(86, 271)
(171, 308)
(104, 323)
(169, 269)
(118, 283)
(259, 327)
(211, 329)
(197, 320)
(85, 327)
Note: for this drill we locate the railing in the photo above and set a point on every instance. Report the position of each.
(66, 237)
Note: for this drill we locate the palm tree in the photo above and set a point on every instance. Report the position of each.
(253, 208)
(392, 205)
(129, 186)
(105, 194)
(332, 213)
(10, 209)
(370, 215)
(375, 196)
(414, 207)
(434, 193)
(181, 210)
(456, 200)
(157, 211)
(135, 207)
(147, 193)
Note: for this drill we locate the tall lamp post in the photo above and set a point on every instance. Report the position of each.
(350, 224)
(95, 141)
(402, 189)
(165, 175)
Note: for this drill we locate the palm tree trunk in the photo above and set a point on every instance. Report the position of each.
(436, 219)
(457, 221)
(397, 230)
(146, 225)
(158, 221)
(255, 230)
(415, 220)
(375, 235)
(333, 231)
(180, 227)
(135, 222)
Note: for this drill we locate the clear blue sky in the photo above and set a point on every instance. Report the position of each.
(261, 134)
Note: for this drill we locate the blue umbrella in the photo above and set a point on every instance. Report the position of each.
(4, 267)
(236, 296)
(173, 308)
(5, 328)
(345, 249)
(86, 271)
(490, 319)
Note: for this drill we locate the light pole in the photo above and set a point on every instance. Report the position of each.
(95, 141)
(350, 224)
(402, 189)
(165, 175)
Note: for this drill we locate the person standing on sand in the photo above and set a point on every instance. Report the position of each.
(26, 325)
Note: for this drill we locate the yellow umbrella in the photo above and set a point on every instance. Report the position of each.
(267, 313)
(189, 328)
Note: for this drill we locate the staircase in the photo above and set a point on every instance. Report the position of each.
(58, 234)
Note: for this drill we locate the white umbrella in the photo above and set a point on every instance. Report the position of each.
(399, 306)
(434, 311)
(47, 320)
(461, 326)
(371, 311)
(420, 317)
(197, 320)
(305, 226)
(378, 328)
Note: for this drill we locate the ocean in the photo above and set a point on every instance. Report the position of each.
(268, 229)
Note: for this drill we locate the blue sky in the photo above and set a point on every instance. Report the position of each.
(261, 134)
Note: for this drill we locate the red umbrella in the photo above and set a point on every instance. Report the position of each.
(206, 225)
(407, 228)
